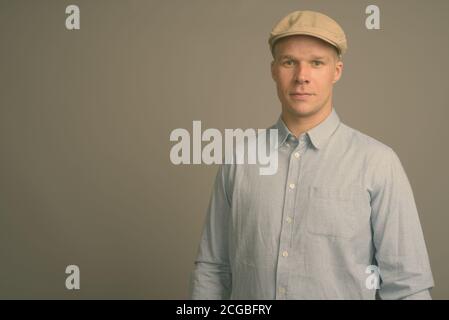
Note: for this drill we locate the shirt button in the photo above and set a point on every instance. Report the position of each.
(285, 254)
(289, 220)
(296, 155)
(292, 186)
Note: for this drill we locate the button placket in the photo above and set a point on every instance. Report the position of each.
(287, 225)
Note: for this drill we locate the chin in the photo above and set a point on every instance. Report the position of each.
(302, 110)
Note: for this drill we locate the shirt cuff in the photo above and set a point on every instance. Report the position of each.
(422, 295)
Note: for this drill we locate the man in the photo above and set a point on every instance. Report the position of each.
(339, 207)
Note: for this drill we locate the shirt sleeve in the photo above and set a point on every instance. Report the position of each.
(422, 295)
(400, 249)
(211, 277)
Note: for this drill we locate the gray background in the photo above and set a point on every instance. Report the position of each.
(85, 119)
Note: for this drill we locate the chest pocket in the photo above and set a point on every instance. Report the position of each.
(333, 211)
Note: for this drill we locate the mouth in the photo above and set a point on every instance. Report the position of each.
(301, 95)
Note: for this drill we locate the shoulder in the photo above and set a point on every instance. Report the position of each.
(378, 160)
(365, 145)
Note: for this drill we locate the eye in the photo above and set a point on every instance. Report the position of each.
(317, 62)
(288, 63)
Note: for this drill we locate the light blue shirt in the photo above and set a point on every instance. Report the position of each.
(339, 203)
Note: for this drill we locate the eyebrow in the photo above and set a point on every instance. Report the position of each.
(291, 57)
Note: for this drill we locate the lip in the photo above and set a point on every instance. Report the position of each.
(300, 95)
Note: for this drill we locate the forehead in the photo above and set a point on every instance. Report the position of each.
(303, 45)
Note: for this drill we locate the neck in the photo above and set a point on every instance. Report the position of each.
(298, 125)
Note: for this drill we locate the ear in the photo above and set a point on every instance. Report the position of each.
(338, 71)
(273, 72)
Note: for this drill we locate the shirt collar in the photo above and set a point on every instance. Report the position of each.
(318, 135)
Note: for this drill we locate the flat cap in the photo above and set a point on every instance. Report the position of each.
(310, 23)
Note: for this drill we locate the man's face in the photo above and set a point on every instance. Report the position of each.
(305, 69)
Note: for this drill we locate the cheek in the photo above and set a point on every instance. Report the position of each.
(326, 81)
(284, 80)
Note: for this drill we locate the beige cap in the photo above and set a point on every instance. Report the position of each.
(310, 23)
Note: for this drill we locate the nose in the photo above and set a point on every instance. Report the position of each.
(302, 74)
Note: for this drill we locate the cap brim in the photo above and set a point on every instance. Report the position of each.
(274, 39)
